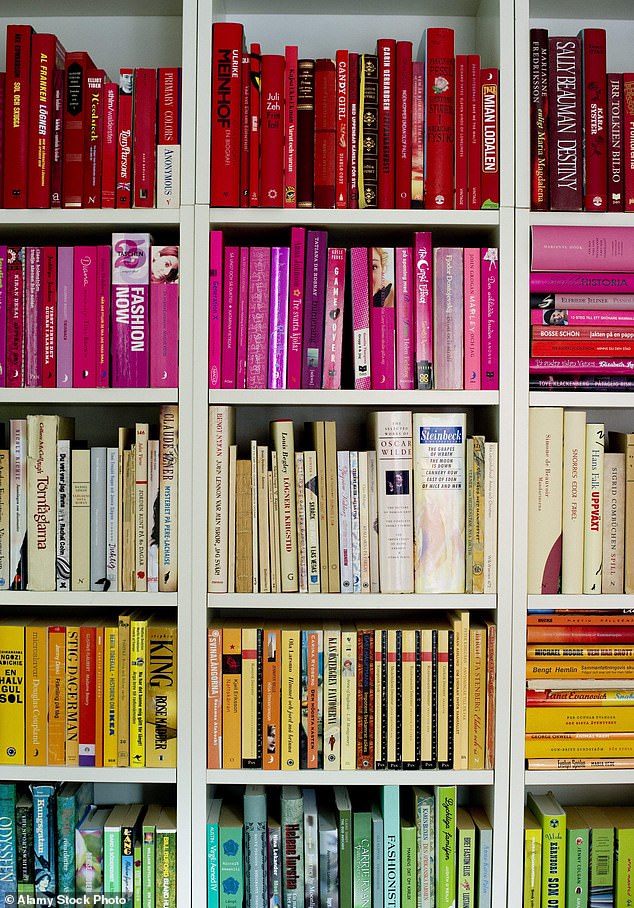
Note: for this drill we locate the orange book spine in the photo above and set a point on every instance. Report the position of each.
(583, 618)
(581, 635)
(271, 731)
(231, 697)
(546, 651)
(56, 695)
(36, 673)
(578, 669)
(214, 698)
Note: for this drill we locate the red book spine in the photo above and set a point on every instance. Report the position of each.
(582, 349)
(123, 196)
(47, 54)
(254, 134)
(386, 52)
(144, 131)
(579, 635)
(109, 144)
(305, 133)
(565, 124)
(418, 134)
(594, 119)
(245, 130)
(539, 119)
(2, 109)
(15, 316)
(615, 141)
(94, 139)
(341, 142)
(628, 140)
(16, 123)
(57, 161)
(439, 118)
(403, 125)
(76, 110)
(226, 92)
(290, 129)
(490, 176)
(353, 133)
(88, 695)
(474, 156)
(272, 132)
(325, 131)
(49, 327)
(463, 131)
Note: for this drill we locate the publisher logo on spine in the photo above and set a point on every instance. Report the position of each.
(441, 435)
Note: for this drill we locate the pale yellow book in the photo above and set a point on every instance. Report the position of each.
(348, 696)
(73, 688)
(311, 503)
(161, 697)
(264, 544)
(12, 664)
(593, 519)
(283, 442)
(231, 558)
(244, 528)
(124, 442)
(469, 518)
(332, 695)
(427, 716)
(490, 516)
(274, 532)
(276, 521)
(380, 679)
(142, 431)
(444, 706)
(249, 712)
(255, 544)
(624, 442)
(364, 521)
(290, 697)
(545, 452)
(80, 521)
(300, 501)
(123, 713)
(5, 579)
(319, 445)
(614, 523)
(221, 437)
(332, 507)
(35, 682)
(573, 501)
(477, 695)
(138, 674)
(408, 698)
(460, 624)
(478, 515)
(392, 695)
(168, 498)
(127, 552)
(111, 695)
(56, 730)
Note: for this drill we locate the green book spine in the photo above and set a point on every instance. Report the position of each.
(231, 872)
(256, 882)
(213, 893)
(166, 868)
(344, 825)
(624, 878)
(408, 864)
(149, 857)
(112, 860)
(362, 872)
(553, 822)
(577, 862)
(138, 874)
(424, 818)
(601, 867)
(532, 865)
(445, 845)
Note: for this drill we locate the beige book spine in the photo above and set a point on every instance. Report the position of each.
(282, 434)
(276, 522)
(490, 516)
(5, 579)
(348, 697)
(460, 623)
(255, 543)
(593, 520)
(426, 700)
(443, 696)
(469, 518)
(141, 506)
(244, 528)
(545, 452)
(168, 498)
(408, 698)
(153, 514)
(300, 500)
(478, 514)
(319, 444)
(274, 558)
(477, 696)
(80, 521)
(127, 557)
(332, 506)
(221, 436)
(614, 523)
(573, 501)
(364, 522)
(264, 545)
(375, 579)
(231, 544)
(249, 703)
(311, 500)
(124, 442)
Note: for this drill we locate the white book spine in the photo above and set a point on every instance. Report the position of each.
(282, 434)
(98, 519)
(354, 521)
(593, 538)
(231, 547)
(373, 514)
(348, 699)
(17, 510)
(80, 520)
(153, 515)
(112, 517)
(345, 524)
(141, 506)
(614, 524)
(5, 578)
(62, 560)
(573, 501)
(300, 500)
(490, 516)
(254, 516)
(264, 561)
(168, 176)
(312, 521)
(364, 522)
(221, 436)
(41, 502)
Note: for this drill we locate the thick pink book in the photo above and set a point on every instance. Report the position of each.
(85, 317)
(65, 257)
(215, 307)
(258, 317)
(333, 322)
(382, 335)
(164, 317)
(15, 316)
(243, 314)
(296, 307)
(360, 291)
(404, 319)
(581, 282)
(611, 317)
(3, 315)
(33, 318)
(129, 313)
(230, 316)
(472, 339)
(278, 317)
(423, 311)
(104, 257)
(489, 318)
(582, 248)
(49, 315)
(342, 63)
(448, 318)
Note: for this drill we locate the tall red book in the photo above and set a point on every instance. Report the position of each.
(144, 141)
(123, 192)
(245, 127)
(615, 141)
(305, 133)
(539, 119)
(272, 132)
(2, 108)
(341, 140)
(463, 132)
(255, 59)
(565, 123)
(94, 139)
(490, 138)
(109, 144)
(403, 125)
(290, 128)
(474, 115)
(76, 119)
(16, 115)
(439, 118)
(386, 53)
(325, 121)
(593, 58)
(47, 55)
(418, 134)
(226, 87)
(628, 140)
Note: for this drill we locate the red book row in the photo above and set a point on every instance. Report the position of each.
(361, 131)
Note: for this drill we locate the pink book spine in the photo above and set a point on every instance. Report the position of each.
(296, 307)
(85, 317)
(15, 316)
(360, 289)
(164, 317)
(463, 123)
(448, 318)
(403, 176)
(49, 308)
(382, 335)
(333, 323)
(258, 317)
(404, 320)
(230, 316)
(290, 132)
(423, 310)
(278, 317)
(215, 307)
(474, 154)
(581, 282)
(104, 258)
(610, 317)
(58, 126)
(64, 316)
(544, 365)
(130, 301)
(489, 319)
(341, 125)
(418, 134)
(243, 313)
(144, 138)
(472, 331)
(582, 248)
(3, 316)
(109, 147)
(33, 318)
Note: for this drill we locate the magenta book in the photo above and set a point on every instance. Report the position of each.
(382, 337)
(296, 307)
(49, 315)
(215, 307)
(333, 322)
(582, 300)
(360, 291)
(65, 255)
(3, 316)
(258, 316)
(243, 313)
(472, 338)
(278, 317)
(104, 258)
(129, 318)
(404, 319)
(15, 316)
(164, 317)
(403, 129)
(489, 318)
(33, 318)
(609, 317)
(448, 318)
(570, 365)
(85, 317)
(230, 316)
(314, 302)
(581, 282)
(423, 310)
(581, 248)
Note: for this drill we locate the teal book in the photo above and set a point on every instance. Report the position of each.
(424, 820)
(445, 845)
(255, 856)
(378, 846)
(362, 865)
(577, 858)
(292, 822)
(89, 852)
(601, 861)
(44, 851)
(408, 863)
(311, 849)
(24, 846)
(8, 857)
(484, 849)
(213, 870)
(328, 859)
(230, 857)
(552, 818)
(274, 833)
(391, 809)
(73, 801)
(129, 831)
(112, 849)
(343, 808)
(148, 854)
(465, 865)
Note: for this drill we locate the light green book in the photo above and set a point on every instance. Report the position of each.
(577, 857)
(138, 874)
(344, 825)
(532, 860)
(601, 876)
(362, 862)
(165, 860)
(230, 850)
(552, 818)
(445, 845)
(424, 819)
(623, 818)
(112, 849)
(408, 863)
(151, 818)
(465, 865)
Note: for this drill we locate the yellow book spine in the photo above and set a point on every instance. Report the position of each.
(532, 861)
(231, 697)
(574, 747)
(478, 514)
(56, 695)
(550, 669)
(426, 700)
(111, 695)
(392, 717)
(443, 695)
(477, 697)
(557, 719)
(12, 739)
(161, 696)
(461, 690)
(408, 701)
(348, 698)
(138, 640)
(36, 646)
(291, 663)
(72, 696)
(379, 681)
(123, 717)
(249, 698)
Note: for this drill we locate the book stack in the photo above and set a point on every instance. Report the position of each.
(578, 855)
(581, 121)
(88, 693)
(301, 316)
(81, 519)
(75, 139)
(353, 697)
(307, 846)
(362, 130)
(582, 302)
(61, 848)
(580, 703)
(416, 513)
(89, 316)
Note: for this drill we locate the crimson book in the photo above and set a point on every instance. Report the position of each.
(2, 109)
(76, 117)
(123, 193)
(628, 140)
(463, 132)
(16, 115)
(94, 139)
(615, 140)
(245, 127)
(594, 118)
(144, 138)
(368, 130)
(227, 44)
(353, 130)
(403, 125)
(305, 133)
(539, 118)
(565, 125)
(255, 75)
(439, 118)
(386, 55)
(109, 144)
(290, 128)
(475, 132)
(47, 55)
(272, 132)
(490, 113)
(341, 137)
(325, 124)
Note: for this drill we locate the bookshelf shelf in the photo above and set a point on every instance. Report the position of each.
(103, 774)
(106, 218)
(30, 599)
(420, 400)
(343, 777)
(580, 777)
(358, 219)
(579, 218)
(92, 396)
(585, 400)
(580, 602)
(380, 602)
